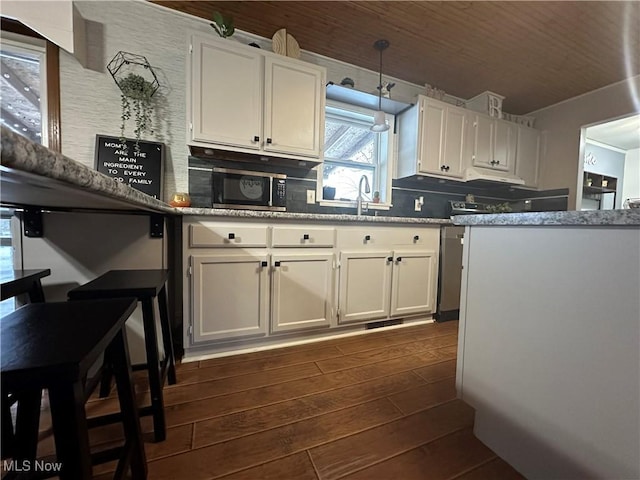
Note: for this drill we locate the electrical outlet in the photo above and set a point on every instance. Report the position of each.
(311, 196)
(418, 205)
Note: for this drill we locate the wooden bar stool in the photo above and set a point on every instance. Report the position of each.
(17, 282)
(145, 285)
(53, 346)
(12, 284)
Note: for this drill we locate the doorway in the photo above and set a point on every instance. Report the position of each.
(609, 173)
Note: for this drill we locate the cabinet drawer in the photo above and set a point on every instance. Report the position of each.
(221, 235)
(303, 237)
(364, 236)
(417, 236)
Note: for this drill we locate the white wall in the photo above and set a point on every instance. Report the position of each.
(548, 348)
(90, 99)
(561, 163)
(631, 184)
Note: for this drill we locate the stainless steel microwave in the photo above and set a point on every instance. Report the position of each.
(249, 190)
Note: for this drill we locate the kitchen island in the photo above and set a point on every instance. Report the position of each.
(548, 349)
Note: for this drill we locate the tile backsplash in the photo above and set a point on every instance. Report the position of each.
(436, 193)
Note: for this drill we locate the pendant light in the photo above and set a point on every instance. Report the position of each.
(379, 119)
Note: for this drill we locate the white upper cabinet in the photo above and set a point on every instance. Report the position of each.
(494, 145)
(432, 139)
(248, 100)
(528, 155)
(294, 107)
(226, 94)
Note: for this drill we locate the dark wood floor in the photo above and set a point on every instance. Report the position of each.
(375, 406)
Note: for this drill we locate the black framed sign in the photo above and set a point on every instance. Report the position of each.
(141, 169)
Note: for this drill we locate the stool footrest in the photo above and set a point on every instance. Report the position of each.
(107, 455)
(110, 418)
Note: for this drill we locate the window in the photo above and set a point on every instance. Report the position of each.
(23, 87)
(6, 256)
(352, 150)
(24, 105)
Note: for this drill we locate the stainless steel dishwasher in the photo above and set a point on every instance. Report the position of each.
(450, 274)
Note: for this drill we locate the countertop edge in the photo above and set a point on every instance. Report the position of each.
(591, 218)
(320, 217)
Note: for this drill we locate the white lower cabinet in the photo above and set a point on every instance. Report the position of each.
(413, 283)
(248, 280)
(382, 284)
(229, 296)
(365, 282)
(301, 291)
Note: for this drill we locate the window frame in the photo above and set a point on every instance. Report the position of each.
(383, 168)
(52, 117)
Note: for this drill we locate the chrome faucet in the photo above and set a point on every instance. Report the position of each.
(367, 189)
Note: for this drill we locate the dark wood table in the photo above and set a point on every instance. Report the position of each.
(52, 346)
(17, 282)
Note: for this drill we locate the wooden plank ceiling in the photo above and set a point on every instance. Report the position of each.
(534, 53)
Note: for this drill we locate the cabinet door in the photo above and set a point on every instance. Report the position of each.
(294, 108)
(454, 142)
(302, 286)
(229, 296)
(414, 280)
(504, 153)
(431, 138)
(483, 141)
(365, 282)
(528, 155)
(226, 93)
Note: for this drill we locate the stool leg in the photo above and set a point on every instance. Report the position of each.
(27, 424)
(70, 430)
(36, 294)
(8, 438)
(153, 368)
(126, 397)
(167, 337)
(105, 376)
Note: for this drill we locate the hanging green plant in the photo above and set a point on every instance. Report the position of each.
(136, 96)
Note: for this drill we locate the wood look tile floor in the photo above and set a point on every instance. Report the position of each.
(376, 406)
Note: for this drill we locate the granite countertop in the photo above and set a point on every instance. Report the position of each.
(33, 175)
(321, 217)
(590, 218)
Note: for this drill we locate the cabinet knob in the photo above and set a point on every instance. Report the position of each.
(269, 140)
(399, 259)
(448, 168)
(276, 264)
(389, 259)
(443, 168)
(256, 138)
(263, 264)
(416, 238)
(232, 236)
(367, 238)
(305, 236)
